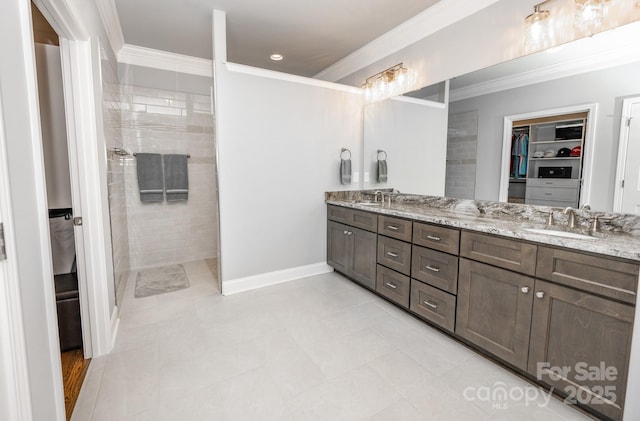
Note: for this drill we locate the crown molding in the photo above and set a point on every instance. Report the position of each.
(164, 60)
(111, 22)
(435, 18)
(272, 74)
(603, 60)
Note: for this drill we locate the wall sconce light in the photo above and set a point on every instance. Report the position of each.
(539, 31)
(590, 15)
(393, 81)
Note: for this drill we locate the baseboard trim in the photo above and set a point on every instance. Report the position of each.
(235, 286)
(115, 324)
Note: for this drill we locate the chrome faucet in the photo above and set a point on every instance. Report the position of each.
(388, 198)
(571, 220)
(375, 196)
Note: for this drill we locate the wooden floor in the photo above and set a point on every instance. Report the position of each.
(74, 368)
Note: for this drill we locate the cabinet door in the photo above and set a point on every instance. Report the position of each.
(339, 247)
(363, 263)
(575, 333)
(494, 310)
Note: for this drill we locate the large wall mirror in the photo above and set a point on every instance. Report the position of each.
(462, 147)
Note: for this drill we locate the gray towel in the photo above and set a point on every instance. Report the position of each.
(176, 177)
(345, 171)
(382, 170)
(150, 181)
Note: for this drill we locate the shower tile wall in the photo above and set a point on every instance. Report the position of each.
(462, 141)
(115, 178)
(162, 121)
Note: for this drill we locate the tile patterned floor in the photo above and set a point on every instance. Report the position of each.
(319, 348)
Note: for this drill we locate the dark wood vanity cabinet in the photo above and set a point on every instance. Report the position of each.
(434, 274)
(564, 317)
(570, 330)
(494, 310)
(350, 250)
(580, 345)
(394, 259)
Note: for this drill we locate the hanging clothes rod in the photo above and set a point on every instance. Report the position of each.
(136, 154)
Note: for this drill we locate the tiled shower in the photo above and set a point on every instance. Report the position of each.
(163, 115)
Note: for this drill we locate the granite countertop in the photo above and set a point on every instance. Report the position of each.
(619, 236)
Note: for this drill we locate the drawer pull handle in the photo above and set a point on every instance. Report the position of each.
(433, 268)
(346, 232)
(393, 227)
(392, 254)
(434, 238)
(430, 304)
(525, 290)
(540, 294)
(390, 285)
(548, 194)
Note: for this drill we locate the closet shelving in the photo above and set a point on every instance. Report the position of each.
(552, 180)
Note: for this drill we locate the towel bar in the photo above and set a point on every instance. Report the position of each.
(136, 154)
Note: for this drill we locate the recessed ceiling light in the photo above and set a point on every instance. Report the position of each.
(276, 57)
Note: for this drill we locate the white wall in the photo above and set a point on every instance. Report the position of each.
(605, 87)
(54, 128)
(279, 151)
(414, 135)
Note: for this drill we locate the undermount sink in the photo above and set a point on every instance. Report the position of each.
(557, 233)
(369, 203)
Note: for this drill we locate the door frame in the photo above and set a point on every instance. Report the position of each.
(623, 143)
(80, 66)
(15, 403)
(587, 153)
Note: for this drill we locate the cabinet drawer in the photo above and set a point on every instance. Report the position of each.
(395, 227)
(365, 220)
(553, 182)
(435, 268)
(393, 285)
(600, 275)
(434, 305)
(501, 252)
(339, 214)
(394, 254)
(564, 194)
(435, 237)
(356, 218)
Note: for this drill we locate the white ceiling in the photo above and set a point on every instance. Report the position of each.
(312, 35)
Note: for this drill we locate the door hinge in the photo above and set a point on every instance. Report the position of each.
(622, 184)
(77, 221)
(629, 121)
(3, 249)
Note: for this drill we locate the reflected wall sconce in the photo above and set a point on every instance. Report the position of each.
(393, 81)
(590, 16)
(574, 19)
(539, 32)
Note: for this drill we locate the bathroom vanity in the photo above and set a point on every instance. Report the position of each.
(555, 309)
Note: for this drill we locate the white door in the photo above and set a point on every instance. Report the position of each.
(627, 198)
